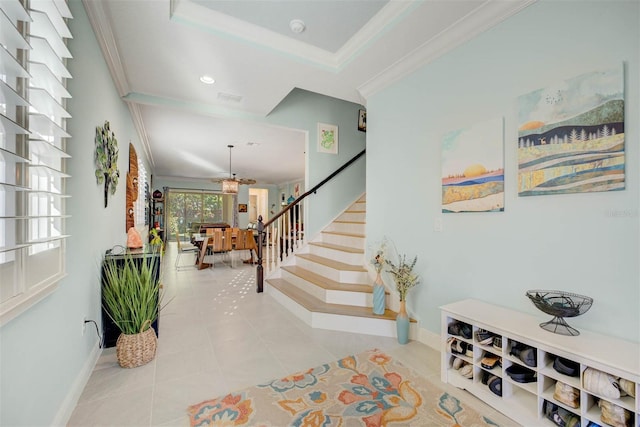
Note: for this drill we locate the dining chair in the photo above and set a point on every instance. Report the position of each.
(239, 244)
(216, 245)
(227, 243)
(184, 247)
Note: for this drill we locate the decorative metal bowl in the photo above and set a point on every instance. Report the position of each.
(559, 304)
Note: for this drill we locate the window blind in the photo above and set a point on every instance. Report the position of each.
(33, 138)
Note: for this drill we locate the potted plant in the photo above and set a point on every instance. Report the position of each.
(131, 297)
(405, 279)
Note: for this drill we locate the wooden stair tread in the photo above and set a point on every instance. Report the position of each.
(349, 222)
(338, 247)
(342, 233)
(331, 263)
(313, 304)
(326, 283)
(355, 211)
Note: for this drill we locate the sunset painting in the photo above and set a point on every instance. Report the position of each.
(473, 169)
(571, 136)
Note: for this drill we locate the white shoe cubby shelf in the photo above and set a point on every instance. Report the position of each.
(524, 402)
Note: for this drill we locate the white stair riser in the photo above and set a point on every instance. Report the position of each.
(335, 322)
(295, 308)
(346, 227)
(332, 273)
(360, 299)
(361, 325)
(342, 240)
(305, 285)
(352, 216)
(337, 255)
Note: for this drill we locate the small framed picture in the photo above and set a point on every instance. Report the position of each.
(362, 120)
(327, 138)
(242, 207)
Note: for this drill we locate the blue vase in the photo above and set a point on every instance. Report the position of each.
(402, 324)
(379, 296)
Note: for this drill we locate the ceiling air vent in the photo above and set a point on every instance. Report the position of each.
(229, 97)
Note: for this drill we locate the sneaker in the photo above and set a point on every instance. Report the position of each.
(469, 351)
(467, 371)
(497, 342)
(484, 337)
(457, 363)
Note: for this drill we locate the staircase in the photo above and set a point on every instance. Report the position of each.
(326, 283)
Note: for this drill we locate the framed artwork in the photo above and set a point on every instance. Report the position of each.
(296, 191)
(571, 136)
(362, 120)
(242, 207)
(473, 168)
(327, 138)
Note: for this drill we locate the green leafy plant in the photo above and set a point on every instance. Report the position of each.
(106, 158)
(403, 275)
(131, 292)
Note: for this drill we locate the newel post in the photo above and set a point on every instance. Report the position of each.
(259, 272)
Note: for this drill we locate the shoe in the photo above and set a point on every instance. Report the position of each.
(457, 363)
(497, 343)
(526, 354)
(466, 331)
(469, 350)
(489, 361)
(520, 374)
(467, 371)
(455, 346)
(495, 385)
(484, 337)
(460, 329)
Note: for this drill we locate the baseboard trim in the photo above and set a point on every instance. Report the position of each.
(429, 338)
(71, 400)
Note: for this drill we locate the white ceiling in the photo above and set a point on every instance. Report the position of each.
(158, 49)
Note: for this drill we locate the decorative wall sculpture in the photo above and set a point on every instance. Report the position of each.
(132, 187)
(473, 168)
(106, 159)
(571, 136)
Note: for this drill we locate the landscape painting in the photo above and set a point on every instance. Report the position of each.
(571, 136)
(473, 169)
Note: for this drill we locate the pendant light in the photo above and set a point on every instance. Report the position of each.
(230, 186)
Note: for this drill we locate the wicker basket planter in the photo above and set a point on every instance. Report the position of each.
(137, 349)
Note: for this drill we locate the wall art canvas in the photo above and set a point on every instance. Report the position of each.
(571, 136)
(327, 138)
(473, 168)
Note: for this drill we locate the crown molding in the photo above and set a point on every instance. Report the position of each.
(189, 13)
(393, 12)
(470, 26)
(104, 34)
(138, 123)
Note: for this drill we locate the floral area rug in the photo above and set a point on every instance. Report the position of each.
(368, 389)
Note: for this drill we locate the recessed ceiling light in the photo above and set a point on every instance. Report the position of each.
(208, 80)
(297, 26)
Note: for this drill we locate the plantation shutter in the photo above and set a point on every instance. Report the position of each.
(33, 138)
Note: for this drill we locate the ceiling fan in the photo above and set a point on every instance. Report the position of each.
(230, 184)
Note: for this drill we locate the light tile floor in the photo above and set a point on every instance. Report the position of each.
(217, 335)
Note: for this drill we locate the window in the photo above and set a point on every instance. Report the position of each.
(33, 140)
(186, 208)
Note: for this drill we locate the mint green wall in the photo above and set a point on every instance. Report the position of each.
(43, 352)
(303, 110)
(584, 243)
